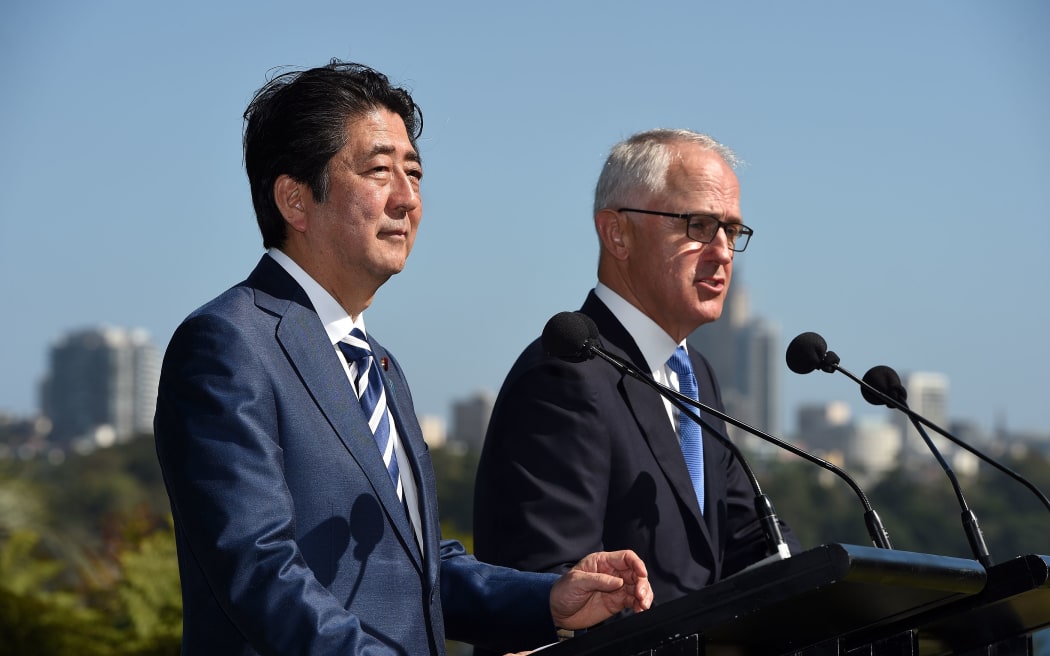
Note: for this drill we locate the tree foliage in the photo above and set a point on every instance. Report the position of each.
(91, 570)
(920, 512)
(88, 563)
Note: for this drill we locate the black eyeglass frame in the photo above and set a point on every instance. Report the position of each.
(742, 230)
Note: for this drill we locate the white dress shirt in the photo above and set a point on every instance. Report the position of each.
(656, 345)
(338, 324)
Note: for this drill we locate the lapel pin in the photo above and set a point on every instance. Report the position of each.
(384, 363)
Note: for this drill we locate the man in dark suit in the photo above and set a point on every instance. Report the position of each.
(579, 457)
(304, 499)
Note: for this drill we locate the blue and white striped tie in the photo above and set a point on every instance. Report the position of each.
(688, 430)
(369, 388)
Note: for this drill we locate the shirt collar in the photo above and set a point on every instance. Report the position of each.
(656, 345)
(337, 323)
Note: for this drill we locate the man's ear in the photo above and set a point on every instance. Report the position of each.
(614, 232)
(291, 200)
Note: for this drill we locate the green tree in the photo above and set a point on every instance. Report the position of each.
(37, 616)
(149, 595)
(87, 556)
(455, 470)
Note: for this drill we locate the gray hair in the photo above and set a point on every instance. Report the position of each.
(640, 162)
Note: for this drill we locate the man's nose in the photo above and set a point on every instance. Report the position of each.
(404, 195)
(718, 248)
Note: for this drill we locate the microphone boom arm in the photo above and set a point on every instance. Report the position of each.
(876, 531)
(917, 419)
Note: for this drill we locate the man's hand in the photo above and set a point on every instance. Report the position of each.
(598, 587)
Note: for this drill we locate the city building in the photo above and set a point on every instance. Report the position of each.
(927, 396)
(101, 387)
(872, 448)
(434, 431)
(824, 427)
(745, 354)
(470, 419)
(866, 447)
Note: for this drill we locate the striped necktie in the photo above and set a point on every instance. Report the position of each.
(688, 430)
(369, 388)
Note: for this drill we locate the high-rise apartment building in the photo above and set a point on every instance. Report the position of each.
(927, 396)
(101, 386)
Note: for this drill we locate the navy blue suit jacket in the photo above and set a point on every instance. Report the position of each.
(579, 457)
(290, 537)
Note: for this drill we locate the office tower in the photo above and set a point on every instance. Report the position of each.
(744, 352)
(101, 386)
(761, 382)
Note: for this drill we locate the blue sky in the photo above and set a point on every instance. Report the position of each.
(898, 172)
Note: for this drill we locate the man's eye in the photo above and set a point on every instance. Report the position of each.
(701, 223)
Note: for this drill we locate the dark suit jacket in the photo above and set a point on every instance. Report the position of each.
(291, 539)
(580, 458)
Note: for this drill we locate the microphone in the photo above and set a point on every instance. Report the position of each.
(573, 336)
(881, 378)
(809, 351)
(882, 386)
(569, 336)
(895, 396)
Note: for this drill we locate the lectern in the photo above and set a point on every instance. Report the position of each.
(1000, 619)
(835, 599)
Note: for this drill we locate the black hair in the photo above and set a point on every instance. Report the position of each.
(297, 122)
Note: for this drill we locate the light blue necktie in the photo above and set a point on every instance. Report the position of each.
(688, 430)
(369, 388)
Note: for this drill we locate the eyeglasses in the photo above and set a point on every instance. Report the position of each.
(704, 227)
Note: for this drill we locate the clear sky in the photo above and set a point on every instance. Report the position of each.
(898, 172)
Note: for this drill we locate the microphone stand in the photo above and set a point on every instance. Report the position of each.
(969, 520)
(917, 419)
(878, 534)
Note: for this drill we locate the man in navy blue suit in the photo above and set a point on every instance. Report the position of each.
(306, 517)
(580, 457)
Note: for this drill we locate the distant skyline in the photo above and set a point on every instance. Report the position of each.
(470, 398)
(897, 166)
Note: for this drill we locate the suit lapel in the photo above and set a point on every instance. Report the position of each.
(649, 411)
(303, 338)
